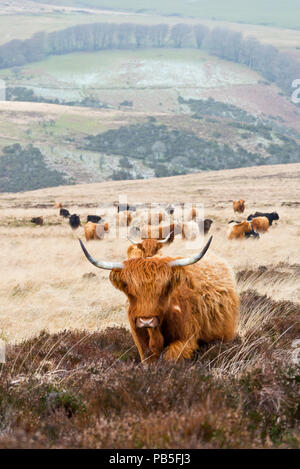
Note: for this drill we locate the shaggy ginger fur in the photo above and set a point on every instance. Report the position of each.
(160, 232)
(197, 302)
(192, 214)
(147, 248)
(239, 230)
(188, 230)
(95, 230)
(260, 224)
(238, 206)
(123, 218)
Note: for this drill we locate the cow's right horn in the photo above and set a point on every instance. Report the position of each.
(101, 264)
(166, 239)
(193, 259)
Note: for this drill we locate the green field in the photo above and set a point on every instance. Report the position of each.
(265, 12)
(74, 75)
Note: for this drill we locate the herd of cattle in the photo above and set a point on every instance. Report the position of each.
(173, 303)
(161, 224)
(165, 223)
(258, 222)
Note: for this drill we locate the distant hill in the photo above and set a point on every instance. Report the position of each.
(72, 144)
(262, 12)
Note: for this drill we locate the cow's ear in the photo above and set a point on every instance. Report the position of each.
(115, 279)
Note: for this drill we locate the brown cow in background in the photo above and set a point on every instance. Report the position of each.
(239, 206)
(239, 230)
(57, 204)
(95, 230)
(123, 218)
(260, 224)
(161, 232)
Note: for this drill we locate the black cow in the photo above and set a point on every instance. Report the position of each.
(204, 225)
(74, 221)
(170, 209)
(37, 220)
(126, 208)
(64, 213)
(270, 216)
(93, 218)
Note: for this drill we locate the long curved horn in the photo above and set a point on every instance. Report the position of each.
(193, 259)
(132, 241)
(101, 264)
(166, 239)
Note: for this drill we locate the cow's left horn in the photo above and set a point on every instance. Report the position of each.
(101, 264)
(132, 241)
(193, 259)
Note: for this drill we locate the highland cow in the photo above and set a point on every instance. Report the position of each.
(95, 230)
(93, 218)
(273, 216)
(175, 303)
(123, 218)
(125, 207)
(74, 221)
(37, 221)
(147, 247)
(170, 209)
(192, 214)
(160, 232)
(239, 206)
(260, 224)
(239, 230)
(64, 213)
(204, 225)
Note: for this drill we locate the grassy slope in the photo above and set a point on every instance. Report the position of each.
(269, 12)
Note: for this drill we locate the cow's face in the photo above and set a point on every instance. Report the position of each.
(148, 284)
(149, 247)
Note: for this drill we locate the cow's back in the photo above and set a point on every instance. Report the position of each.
(214, 298)
(260, 224)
